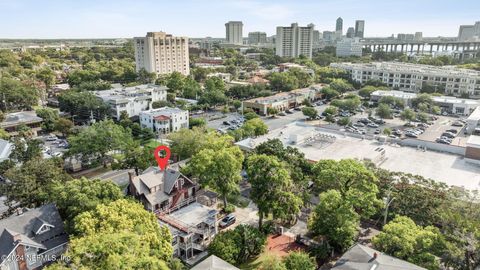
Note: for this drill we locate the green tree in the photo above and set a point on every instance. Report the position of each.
(82, 105)
(187, 142)
(17, 95)
(238, 245)
(329, 93)
(272, 262)
(135, 157)
(161, 103)
(310, 112)
(352, 179)
(387, 131)
(403, 239)
(49, 116)
(344, 121)
(46, 75)
(219, 170)
(144, 76)
(31, 183)
(272, 188)
(341, 85)
(98, 140)
(272, 111)
(191, 88)
(383, 111)
(197, 122)
(298, 260)
(25, 150)
(250, 115)
(64, 126)
(125, 216)
(283, 81)
(335, 219)
(408, 115)
(81, 195)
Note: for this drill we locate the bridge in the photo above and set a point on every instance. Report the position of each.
(460, 48)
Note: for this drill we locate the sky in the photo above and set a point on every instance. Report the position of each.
(201, 18)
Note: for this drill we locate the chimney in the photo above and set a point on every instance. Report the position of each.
(375, 255)
(131, 187)
(17, 238)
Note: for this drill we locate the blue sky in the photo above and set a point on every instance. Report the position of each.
(200, 18)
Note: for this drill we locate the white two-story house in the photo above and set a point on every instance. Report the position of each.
(164, 120)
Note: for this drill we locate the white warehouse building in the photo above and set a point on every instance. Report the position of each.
(164, 120)
(412, 77)
(133, 99)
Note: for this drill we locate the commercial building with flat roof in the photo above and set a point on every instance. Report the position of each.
(283, 101)
(413, 77)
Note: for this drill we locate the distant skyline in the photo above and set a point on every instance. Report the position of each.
(197, 18)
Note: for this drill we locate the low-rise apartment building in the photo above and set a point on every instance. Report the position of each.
(132, 100)
(283, 101)
(413, 77)
(164, 120)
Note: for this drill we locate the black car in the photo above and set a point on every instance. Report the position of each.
(226, 123)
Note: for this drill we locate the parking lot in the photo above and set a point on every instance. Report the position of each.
(431, 132)
(53, 146)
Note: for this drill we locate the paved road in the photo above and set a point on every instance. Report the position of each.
(119, 177)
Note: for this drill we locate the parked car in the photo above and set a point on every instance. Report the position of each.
(457, 124)
(372, 125)
(226, 123)
(359, 124)
(227, 221)
(51, 138)
(282, 114)
(288, 111)
(297, 109)
(411, 135)
(443, 141)
(454, 131)
(377, 131)
(448, 135)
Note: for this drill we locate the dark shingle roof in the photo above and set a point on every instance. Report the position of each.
(360, 257)
(27, 224)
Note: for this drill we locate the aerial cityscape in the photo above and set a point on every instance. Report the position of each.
(240, 134)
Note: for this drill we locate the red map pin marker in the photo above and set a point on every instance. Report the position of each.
(162, 161)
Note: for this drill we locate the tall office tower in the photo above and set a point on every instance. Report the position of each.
(234, 32)
(317, 36)
(339, 28)
(162, 53)
(351, 32)
(328, 36)
(418, 36)
(257, 38)
(294, 40)
(359, 28)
